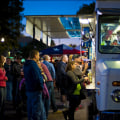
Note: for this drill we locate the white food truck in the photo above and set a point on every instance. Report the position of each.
(107, 70)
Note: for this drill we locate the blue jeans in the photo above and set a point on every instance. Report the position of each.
(2, 100)
(35, 106)
(53, 101)
(46, 100)
(9, 90)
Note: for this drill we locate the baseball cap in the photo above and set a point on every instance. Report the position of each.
(18, 57)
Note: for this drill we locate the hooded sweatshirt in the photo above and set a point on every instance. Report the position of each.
(33, 77)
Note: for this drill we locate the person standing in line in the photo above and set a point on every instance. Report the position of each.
(9, 74)
(52, 72)
(61, 76)
(34, 87)
(49, 84)
(3, 79)
(16, 70)
(80, 69)
(74, 88)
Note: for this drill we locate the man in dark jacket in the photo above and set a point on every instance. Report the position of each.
(9, 74)
(61, 72)
(16, 70)
(34, 87)
(61, 76)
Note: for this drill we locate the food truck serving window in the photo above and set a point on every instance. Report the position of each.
(109, 34)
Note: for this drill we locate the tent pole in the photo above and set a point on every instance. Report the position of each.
(51, 58)
(80, 48)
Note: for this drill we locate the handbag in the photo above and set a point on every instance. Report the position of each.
(45, 91)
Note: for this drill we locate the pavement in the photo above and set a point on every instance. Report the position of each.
(80, 114)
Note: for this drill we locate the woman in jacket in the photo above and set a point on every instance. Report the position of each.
(48, 80)
(3, 80)
(74, 89)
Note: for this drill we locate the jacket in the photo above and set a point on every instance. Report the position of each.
(9, 74)
(74, 82)
(3, 78)
(60, 74)
(50, 68)
(16, 69)
(33, 77)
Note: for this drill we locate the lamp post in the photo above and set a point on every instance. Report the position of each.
(2, 39)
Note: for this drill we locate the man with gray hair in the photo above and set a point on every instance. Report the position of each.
(50, 84)
(61, 75)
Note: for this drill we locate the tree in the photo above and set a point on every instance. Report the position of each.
(10, 22)
(38, 45)
(87, 9)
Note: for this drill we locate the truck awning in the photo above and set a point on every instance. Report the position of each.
(56, 27)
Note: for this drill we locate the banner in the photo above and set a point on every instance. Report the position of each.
(37, 34)
(29, 28)
(49, 41)
(44, 38)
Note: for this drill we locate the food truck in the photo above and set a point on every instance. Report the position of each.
(107, 67)
(105, 49)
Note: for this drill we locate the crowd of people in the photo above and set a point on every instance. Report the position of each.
(30, 86)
